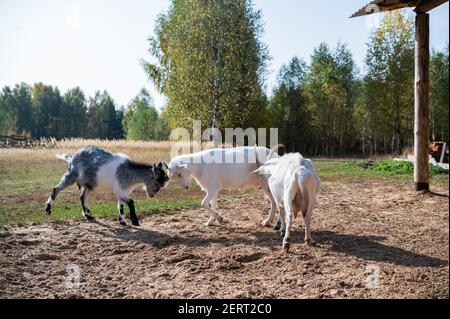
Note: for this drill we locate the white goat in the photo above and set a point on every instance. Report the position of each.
(293, 182)
(218, 169)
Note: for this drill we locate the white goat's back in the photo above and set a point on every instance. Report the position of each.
(227, 168)
(233, 171)
(289, 174)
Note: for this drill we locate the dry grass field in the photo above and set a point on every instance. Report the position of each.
(365, 224)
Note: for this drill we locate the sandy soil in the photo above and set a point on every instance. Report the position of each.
(362, 229)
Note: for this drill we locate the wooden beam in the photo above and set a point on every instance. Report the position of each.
(421, 104)
(377, 6)
(427, 5)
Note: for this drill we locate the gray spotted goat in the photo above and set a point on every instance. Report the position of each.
(94, 169)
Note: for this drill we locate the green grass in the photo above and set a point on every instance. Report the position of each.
(64, 212)
(393, 168)
(334, 172)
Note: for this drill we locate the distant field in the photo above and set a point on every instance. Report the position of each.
(27, 177)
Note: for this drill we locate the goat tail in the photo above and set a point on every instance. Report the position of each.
(64, 157)
(273, 150)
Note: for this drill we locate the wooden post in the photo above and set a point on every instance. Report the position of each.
(421, 104)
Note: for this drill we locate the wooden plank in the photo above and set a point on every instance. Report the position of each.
(421, 104)
(427, 5)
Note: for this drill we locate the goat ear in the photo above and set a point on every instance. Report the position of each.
(156, 171)
(163, 166)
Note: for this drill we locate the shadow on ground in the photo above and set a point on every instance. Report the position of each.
(366, 247)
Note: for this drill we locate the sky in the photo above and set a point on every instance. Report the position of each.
(98, 44)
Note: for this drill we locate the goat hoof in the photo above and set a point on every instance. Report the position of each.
(277, 226)
(286, 247)
(265, 223)
(48, 209)
(223, 221)
(89, 217)
(135, 223)
(282, 233)
(122, 222)
(210, 221)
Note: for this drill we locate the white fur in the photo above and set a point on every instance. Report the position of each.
(106, 176)
(215, 176)
(294, 184)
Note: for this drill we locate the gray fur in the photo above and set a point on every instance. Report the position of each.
(83, 169)
(130, 173)
(85, 164)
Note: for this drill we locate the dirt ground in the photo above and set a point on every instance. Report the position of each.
(374, 240)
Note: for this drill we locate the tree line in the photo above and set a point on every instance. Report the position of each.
(41, 110)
